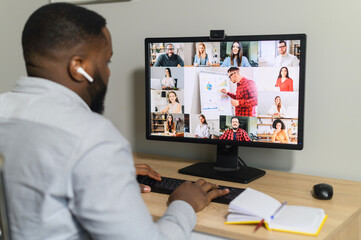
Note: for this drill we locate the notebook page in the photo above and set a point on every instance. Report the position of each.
(298, 219)
(253, 202)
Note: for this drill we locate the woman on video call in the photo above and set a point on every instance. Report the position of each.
(202, 129)
(169, 126)
(168, 81)
(201, 57)
(173, 105)
(236, 59)
(280, 134)
(284, 82)
(277, 109)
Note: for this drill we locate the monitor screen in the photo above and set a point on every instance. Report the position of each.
(231, 91)
(239, 91)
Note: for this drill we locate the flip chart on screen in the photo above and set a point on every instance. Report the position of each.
(213, 101)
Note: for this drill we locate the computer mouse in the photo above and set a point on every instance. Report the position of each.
(322, 191)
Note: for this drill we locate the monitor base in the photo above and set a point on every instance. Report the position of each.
(207, 170)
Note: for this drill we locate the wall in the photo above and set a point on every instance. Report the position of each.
(332, 116)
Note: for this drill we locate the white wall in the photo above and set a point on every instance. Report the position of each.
(333, 86)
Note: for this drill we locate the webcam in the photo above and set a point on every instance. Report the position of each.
(217, 35)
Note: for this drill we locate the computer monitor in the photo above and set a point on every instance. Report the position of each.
(232, 91)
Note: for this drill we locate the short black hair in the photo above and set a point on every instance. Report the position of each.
(59, 26)
(232, 69)
(282, 41)
(283, 127)
(235, 118)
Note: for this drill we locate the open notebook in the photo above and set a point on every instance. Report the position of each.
(251, 206)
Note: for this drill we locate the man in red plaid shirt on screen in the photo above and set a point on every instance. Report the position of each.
(245, 99)
(236, 133)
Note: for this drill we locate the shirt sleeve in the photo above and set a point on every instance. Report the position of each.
(106, 196)
(246, 137)
(232, 95)
(158, 62)
(172, 82)
(245, 62)
(206, 132)
(195, 59)
(180, 61)
(296, 62)
(223, 136)
(226, 62)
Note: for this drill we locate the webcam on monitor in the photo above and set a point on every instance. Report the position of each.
(217, 35)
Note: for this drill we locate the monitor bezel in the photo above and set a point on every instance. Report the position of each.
(301, 98)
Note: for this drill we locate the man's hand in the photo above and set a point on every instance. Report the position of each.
(146, 170)
(223, 90)
(234, 103)
(198, 194)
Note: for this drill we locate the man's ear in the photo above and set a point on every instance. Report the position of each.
(75, 64)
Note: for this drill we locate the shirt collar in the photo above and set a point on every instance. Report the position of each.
(242, 80)
(37, 85)
(171, 58)
(285, 55)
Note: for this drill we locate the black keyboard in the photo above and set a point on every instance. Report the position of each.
(168, 185)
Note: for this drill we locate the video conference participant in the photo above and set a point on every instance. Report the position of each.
(285, 59)
(236, 59)
(236, 133)
(173, 105)
(245, 100)
(202, 129)
(201, 57)
(277, 109)
(169, 59)
(280, 134)
(78, 179)
(284, 82)
(168, 81)
(170, 126)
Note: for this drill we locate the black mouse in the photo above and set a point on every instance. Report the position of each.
(322, 191)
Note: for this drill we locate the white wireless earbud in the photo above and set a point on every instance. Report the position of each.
(85, 74)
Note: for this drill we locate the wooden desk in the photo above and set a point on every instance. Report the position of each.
(344, 209)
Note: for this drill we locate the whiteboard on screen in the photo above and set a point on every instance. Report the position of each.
(213, 102)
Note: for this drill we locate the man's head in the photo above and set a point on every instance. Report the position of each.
(235, 123)
(234, 75)
(169, 48)
(58, 39)
(282, 47)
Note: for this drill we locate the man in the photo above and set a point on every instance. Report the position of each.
(169, 59)
(236, 133)
(285, 59)
(245, 99)
(69, 173)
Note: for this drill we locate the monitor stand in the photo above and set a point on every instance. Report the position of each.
(226, 167)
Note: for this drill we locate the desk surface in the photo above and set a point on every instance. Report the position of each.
(344, 209)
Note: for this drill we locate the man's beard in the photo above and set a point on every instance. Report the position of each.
(235, 128)
(97, 91)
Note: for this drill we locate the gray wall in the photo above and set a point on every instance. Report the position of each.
(332, 127)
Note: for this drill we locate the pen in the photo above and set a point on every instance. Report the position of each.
(259, 225)
(278, 209)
